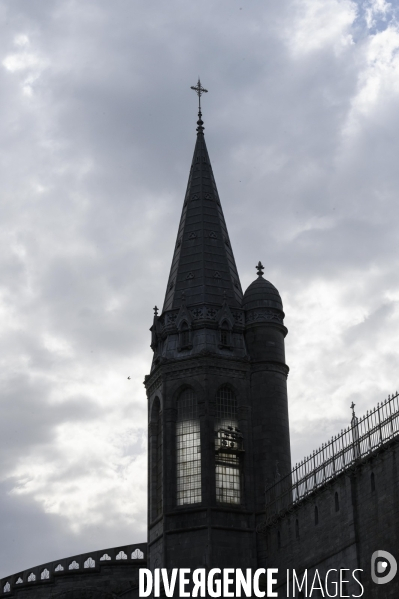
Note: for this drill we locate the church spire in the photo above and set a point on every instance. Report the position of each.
(203, 265)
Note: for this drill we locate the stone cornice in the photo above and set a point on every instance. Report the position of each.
(191, 366)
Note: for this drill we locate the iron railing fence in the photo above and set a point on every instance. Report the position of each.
(361, 438)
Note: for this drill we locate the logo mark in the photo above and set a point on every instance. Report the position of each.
(383, 567)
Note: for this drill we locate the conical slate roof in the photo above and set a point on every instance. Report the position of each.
(203, 265)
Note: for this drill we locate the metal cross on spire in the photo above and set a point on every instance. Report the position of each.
(199, 91)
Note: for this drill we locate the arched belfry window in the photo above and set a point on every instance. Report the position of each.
(188, 449)
(156, 448)
(229, 447)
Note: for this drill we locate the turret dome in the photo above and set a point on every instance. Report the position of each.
(261, 294)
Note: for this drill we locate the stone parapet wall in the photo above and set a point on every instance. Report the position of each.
(112, 571)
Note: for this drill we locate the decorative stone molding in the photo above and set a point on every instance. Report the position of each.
(196, 371)
(238, 316)
(225, 315)
(210, 313)
(167, 321)
(264, 314)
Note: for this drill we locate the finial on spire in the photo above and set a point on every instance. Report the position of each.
(155, 311)
(199, 91)
(352, 406)
(260, 268)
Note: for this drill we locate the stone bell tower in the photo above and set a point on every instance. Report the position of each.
(217, 400)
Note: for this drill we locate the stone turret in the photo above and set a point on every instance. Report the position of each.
(264, 337)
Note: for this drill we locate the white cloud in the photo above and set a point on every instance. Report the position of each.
(376, 9)
(21, 61)
(28, 63)
(319, 25)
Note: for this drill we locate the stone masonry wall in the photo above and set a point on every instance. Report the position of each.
(340, 526)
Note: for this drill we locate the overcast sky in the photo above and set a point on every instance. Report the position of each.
(97, 130)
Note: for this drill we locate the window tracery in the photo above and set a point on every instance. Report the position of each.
(188, 449)
(229, 446)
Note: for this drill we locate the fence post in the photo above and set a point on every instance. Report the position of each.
(355, 434)
(390, 415)
(379, 422)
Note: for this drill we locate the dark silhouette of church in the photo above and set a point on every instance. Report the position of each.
(221, 489)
